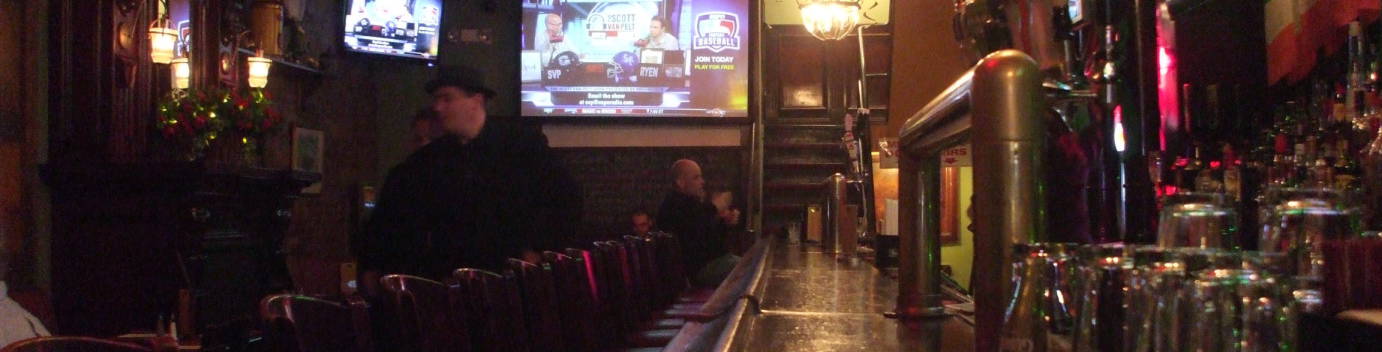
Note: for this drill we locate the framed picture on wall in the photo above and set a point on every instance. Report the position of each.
(308, 146)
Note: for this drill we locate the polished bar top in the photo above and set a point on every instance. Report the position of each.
(809, 301)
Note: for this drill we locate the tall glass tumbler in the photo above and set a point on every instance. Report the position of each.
(1300, 222)
(1202, 220)
(1151, 300)
(1269, 313)
(1212, 321)
(1206, 299)
(1099, 290)
(1297, 225)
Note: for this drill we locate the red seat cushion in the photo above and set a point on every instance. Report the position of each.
(642, 349)
(695, 295)
(678, 313)
(652, 338)
(669, 323)
(687, 306)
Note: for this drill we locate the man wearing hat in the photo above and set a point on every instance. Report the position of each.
(487, 190)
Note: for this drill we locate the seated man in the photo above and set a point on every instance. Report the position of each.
(642, 223)
(687, 214)
(15, 322)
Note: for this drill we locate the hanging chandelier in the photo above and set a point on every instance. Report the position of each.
(829, 19)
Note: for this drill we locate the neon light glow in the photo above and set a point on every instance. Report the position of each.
(1120, 142)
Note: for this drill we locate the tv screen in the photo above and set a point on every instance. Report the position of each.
(406, 28)
(679, 58)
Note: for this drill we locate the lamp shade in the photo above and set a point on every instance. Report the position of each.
(829, 19)
(259, 71)
(162, 41)
(182, 73)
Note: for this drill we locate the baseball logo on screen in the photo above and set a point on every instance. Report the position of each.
(717, 31)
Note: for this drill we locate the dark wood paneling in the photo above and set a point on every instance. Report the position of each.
(120, 209)
(802, 72)
(815, 81)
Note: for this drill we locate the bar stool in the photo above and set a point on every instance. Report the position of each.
(539, 305)
(492, 307)
(72, 343)
(313, 325)
(423, 315)
(577, 304)
(652, 280)
(610, 293)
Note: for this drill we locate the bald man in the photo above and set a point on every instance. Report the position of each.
(687, 214)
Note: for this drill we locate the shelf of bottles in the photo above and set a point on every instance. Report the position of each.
(1322, 133)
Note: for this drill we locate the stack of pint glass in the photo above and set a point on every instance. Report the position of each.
(1195, 290)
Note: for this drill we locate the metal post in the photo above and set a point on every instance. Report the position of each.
(1007, 102)
(940, 124)
(1001, 96)
(835, 213)
(864, 179)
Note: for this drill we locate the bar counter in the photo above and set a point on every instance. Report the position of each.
(803, 299)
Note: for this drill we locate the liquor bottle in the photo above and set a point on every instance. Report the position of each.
(1190, 178)
(1285, 171)
(1346, 169)
(1321, 173)
(1278, 170)
(1372, 178)
(1300, 165)
(1204, 176)
(1357, 73)
(1233, 176)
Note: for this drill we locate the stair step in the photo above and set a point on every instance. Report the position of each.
(782, 208)
(788, 126)
(806, 165)
(784, 186)
(803, 145)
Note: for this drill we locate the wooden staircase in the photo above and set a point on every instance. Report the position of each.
(797, 160)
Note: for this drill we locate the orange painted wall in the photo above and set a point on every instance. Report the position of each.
(926, 59)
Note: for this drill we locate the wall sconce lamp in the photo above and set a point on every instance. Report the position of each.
(162, 41)
(182, 73)
(162, 38)
(258, 70)
(829, 19)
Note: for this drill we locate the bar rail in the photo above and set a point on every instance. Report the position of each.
(1002, 96)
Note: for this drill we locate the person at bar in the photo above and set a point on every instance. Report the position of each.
(642, 223)
(687, 214)
(15, 322)
(487, 190)
(425, 129)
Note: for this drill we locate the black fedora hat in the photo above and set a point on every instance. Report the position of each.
(462, 77)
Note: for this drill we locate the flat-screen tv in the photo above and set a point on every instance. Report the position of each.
(406, 28)
(635, 58)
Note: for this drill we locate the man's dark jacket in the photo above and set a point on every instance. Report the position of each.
(452, 205)
(697, 227)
